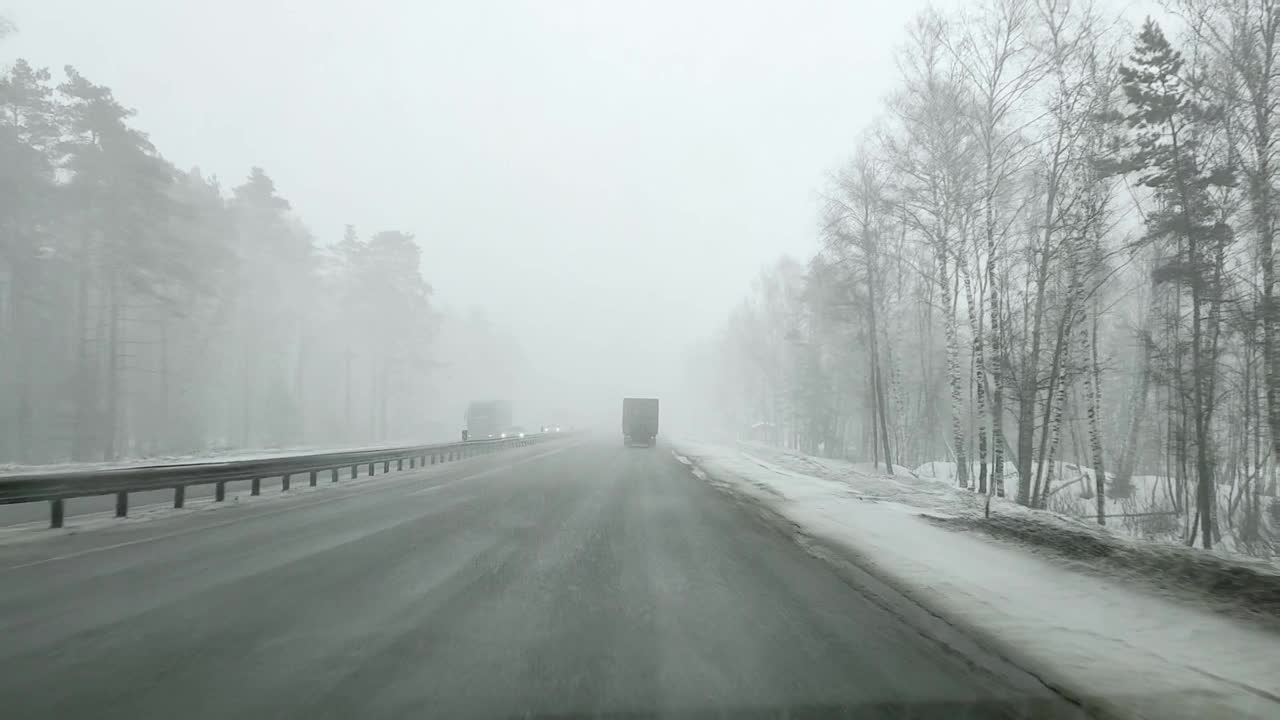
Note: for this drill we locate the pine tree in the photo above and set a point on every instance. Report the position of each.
(275, 261)
(119, 191)
(1173, 131)
(28, 137)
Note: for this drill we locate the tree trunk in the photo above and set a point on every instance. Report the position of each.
(1030, 390)
(246, 382)
(384, 408)
(896, 400)
(1260, 187)
(1093, 399)
(346, 384)
(1122, 487)
(1200, 408)
(85, 400)
(299, 426)
(373, 398)
(1054, 434)
(1059, 370)
(871, 426)
(953, 374)
(1031, 366)
(111, 414)
(23, 338)
(975, 309)
(875, 364)
(166, 430)
(997, 377)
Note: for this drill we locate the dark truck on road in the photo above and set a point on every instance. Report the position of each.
(639, 421)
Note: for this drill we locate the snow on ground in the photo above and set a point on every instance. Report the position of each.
(933, 483)
(1149, 507)
(1099, 640)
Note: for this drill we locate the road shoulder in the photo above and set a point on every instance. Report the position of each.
(1114, 650)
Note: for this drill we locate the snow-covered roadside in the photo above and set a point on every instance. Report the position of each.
(1109, 646)
(1228, 581)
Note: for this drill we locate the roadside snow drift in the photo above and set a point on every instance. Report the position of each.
(1115, 649)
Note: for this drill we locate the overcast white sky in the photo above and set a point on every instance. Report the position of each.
(610, 173)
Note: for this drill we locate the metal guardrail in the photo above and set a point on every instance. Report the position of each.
(57, 487)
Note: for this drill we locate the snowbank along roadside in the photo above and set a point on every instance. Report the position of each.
(1230, 582)
(1115, 649)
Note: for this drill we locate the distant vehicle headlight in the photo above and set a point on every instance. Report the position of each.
(504, 435)
(521, 435)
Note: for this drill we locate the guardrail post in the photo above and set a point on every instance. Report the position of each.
(433, 459)
(355, 471)
(284, 482)
(413, 461)
(386, 466)
(179, 496)
(220, 491)
(122, 504)
(56, 511)
(333, 475)
(313, 478)
(370, 469)
(399, 463)
(257, 486)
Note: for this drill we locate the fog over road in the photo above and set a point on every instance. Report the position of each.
(579, 578)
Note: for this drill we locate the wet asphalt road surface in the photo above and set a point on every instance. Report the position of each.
(574, 579)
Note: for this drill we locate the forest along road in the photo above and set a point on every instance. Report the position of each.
(578, 578)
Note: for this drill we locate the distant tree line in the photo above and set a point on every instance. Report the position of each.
(1050, 266)
(145, 310)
